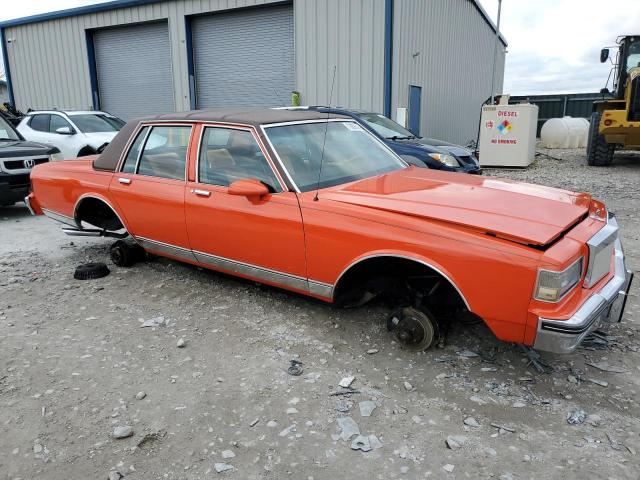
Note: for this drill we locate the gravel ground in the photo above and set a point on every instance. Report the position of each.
(77, 364)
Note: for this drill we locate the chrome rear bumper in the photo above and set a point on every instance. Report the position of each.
(603, 307)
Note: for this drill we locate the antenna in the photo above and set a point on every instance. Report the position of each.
(324, 140)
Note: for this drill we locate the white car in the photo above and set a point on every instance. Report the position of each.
(75, 133)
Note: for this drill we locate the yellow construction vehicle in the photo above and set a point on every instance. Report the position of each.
(615, 123)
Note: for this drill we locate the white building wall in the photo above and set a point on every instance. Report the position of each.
(49, 62)
(348, 35)
(446, 47)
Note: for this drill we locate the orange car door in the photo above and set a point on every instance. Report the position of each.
(150, 186)
(260, 238)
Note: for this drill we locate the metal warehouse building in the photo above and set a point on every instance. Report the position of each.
(139, 57)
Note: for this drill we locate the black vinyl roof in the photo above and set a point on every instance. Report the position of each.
(245, 116)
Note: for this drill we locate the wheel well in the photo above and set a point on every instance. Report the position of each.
(86, 150)
(401, 280)
(97, 213)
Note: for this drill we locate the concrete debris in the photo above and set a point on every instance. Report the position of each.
(408, 387)
(605, 367)
(140, 395)
(227, 454)
(113, 475)
(346, 382)
(287, 431)
(371, 351)
(471, 422)
(455, 442)
(180, 343)
(602, 383)
(348, 427)
(361, 442)
(222, 467)
(374, 442)
(448, 468)
(342, 407)
(367, 407)
(155, 322)
(123, 431)
(467, 354)
(292, 411)
(576, 416)
(272, 424)
(295, 368)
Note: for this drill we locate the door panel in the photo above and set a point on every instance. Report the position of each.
(258, 238)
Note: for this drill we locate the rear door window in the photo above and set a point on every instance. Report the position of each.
(164, 154)
(131, 161)
(40, 122)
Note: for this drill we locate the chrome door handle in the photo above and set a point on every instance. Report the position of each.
(124, 181)
(201, 193)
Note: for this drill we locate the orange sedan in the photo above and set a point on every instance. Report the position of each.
(317, 205)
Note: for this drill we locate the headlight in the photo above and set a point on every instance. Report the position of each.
(446, 159)
(57, 156)
(552, 286)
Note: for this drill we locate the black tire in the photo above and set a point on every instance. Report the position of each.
(124, 254)
(90, 271)
(414, 329)
(599, 152)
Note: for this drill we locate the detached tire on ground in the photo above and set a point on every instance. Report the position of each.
(124, 254)
(599, 152)
(91, 271)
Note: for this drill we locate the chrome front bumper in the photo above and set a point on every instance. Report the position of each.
(603, 307)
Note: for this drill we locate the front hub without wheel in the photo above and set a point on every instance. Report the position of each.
(414, 329)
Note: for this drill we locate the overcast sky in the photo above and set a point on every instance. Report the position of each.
(553, 44)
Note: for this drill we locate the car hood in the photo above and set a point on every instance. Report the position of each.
(520, 212)
(438, 146)
(21, 148)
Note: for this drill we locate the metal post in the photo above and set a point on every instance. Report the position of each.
(495, 53)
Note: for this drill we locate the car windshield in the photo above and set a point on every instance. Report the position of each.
(97, 122)
(6, 131)
(350, 153)
(386, 127)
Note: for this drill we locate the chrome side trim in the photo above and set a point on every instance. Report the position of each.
(59, 217)
(27, 202)
(321, 289)
(162, 247)
(391, 255)
(262, 273)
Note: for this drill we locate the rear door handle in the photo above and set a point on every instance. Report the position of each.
(124, 181)
(201, 193)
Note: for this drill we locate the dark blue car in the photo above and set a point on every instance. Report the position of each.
(419, 151)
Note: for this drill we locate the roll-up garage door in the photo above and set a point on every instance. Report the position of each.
(244, 58)
(134, 70)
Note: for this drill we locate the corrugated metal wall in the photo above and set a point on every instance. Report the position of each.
(446, 47)
(49, 66)
(348, 35)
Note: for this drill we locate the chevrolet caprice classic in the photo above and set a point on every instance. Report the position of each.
(315, 204)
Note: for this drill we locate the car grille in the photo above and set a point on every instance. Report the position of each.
(19, 164)
(634, 107)
(601, 247)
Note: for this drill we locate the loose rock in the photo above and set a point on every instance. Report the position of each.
(228, 454)
(471, 422)
(576, 416)
(367, 407)
(455, 442)
(222, 467)
(181, 343)
(348, 427)
(346, 382)
(448, 467)
(122, 431)
(408, 387)
(140, 395)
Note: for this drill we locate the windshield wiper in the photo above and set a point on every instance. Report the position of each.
(8, 140)
(398, 137)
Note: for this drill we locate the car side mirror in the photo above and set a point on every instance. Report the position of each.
(248, 188)
(604, 55)
(64, 131)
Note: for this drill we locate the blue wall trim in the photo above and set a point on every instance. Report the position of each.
(100, 7)
(388, 55)
(190, 68)
(7, 70)
(93, 71)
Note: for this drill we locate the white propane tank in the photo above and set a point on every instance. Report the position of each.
(565, 132)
